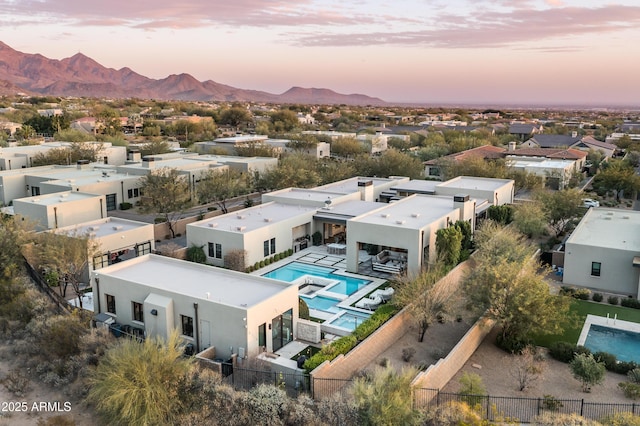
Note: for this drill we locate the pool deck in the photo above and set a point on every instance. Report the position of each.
(319, 256)
(606, 322)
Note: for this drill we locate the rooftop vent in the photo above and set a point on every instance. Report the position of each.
(267, 219)
(415, 214)
(94, 228)
(117, 227)
(385, 215)
(213, 225)
(241, 216)
(625, 217)
(400, 222)
(240, 228)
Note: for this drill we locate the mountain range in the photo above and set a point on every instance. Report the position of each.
(81, 76)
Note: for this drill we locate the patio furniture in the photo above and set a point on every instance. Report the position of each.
(386, 294)
(335, 248)
(369, 303)
(387, 261)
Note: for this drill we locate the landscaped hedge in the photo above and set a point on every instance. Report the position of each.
(344, 344)
(565, 352)
(630, 303)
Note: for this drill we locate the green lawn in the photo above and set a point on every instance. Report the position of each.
(581, 308)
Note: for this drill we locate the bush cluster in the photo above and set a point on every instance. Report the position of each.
(346, 343)
(565, 352)
(597, 297)
(630, 303)
(613, 300)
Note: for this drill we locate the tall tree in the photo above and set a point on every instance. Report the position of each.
(166, 193)
(219, 186)
(506, 284)
(619, 177)
(427, 296)
(560, 207)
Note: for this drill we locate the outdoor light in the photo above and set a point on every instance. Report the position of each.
(154, 312)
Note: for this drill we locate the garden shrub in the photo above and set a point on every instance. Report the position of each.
(634, 375)
(408, 353)
(609, 360)
(613, 300)
(567, 291)
(512, 344)
(551, 403)
(261, 264)
(125, 206)
(159, 220)
(256, 266)
(562, 351)
(196, 254)
(289, 252)
(623, 367)
(630, 303)
(631, 390)
(597, 297)
(582, 294)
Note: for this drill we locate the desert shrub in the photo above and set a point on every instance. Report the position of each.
(557, 419)
(17, 383)
(631, 390)
(58, 420)
(588, 370)
(613, 300)
(472, 389)
(562, 351)
(634, 375)
(621, 419)
(337, 410)
(630, 303)
(609, 360)
(266, 404)
(408, 353)
(60, 335)
(512, 344)
(623, 367)
(567, 291)
(597, 297)
(455, 413)
(551, 403)
(196, 254)
(129, 386)
(301, 411)
(159, 220)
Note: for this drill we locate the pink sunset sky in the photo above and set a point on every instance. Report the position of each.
(421, 51)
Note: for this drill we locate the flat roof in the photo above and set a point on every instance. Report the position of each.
(253, 218)
(305, 194)
(349, 186)
(417, 186)
(480, 183)
(102, 227)
(194, 280)
(608, 228)
(347, 209)
(414, 212)
(57, 198)
(544, 164)
(95, 176)
(236, 159)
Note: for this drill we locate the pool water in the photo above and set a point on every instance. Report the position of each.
(625, 345)
(294, 270)
(322, 303)
(349, 320)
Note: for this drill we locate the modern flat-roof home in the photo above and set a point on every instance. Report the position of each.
(524, 130)
(116, 239)
(342, 213)
(602, 253)
(52, 211)
(234, 312)
(21, 157)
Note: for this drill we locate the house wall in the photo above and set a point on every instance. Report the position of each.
(201, 237)
(12, 187)
(617, 273)
(64, 213)
(230, 327)
(118, 187)
(497, 197)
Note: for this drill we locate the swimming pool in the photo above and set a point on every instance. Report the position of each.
(624, 344)
(349, 320)
(322, 303)
(294, 270)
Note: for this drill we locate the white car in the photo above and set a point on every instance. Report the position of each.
(588, 203)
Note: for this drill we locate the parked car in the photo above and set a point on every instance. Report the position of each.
(588, 203)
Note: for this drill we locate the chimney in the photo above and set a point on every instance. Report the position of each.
(148, 162)
(134, 155)
(512, 146)
(574, 134)
(467, 208)
(366, 190)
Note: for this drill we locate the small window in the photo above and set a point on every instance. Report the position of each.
(595, 269)
(215, 250)
(187, 325)
(273, 246)
(265, 248)
(138, 313)
(111, 304)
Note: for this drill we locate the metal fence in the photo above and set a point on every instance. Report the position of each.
(245, 379)
(502, 408)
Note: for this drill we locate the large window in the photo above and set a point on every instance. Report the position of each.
(269, 247)
(138, 313)
(143, 248)
(111, 202)
(111, 304)
(215, 250)
(595, 269)
(187, 325)
(133, 193)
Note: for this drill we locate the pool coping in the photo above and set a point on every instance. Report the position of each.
(614, 323)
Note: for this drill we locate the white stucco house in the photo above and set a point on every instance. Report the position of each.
(52, 211)
(603, 252)
(237, 313)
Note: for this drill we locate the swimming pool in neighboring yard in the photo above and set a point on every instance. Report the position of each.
(349, 320)
(611, 335)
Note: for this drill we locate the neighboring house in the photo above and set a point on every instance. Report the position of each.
(590, 143)
(614, 137)
(602, 253)
(524, 131)
(229, 144)
(116, 240)
(552, 141)
(432, 168)
(21, 157)
(52, 211)
(239, 314)
(342, 212)
(9, 127)
(555, 166)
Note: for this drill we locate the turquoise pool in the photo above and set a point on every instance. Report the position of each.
(322, 303)
(349, 320)
(294, 270)
(625, 345)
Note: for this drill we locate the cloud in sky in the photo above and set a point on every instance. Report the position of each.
(353, 46)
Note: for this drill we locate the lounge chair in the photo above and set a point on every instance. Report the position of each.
(386, 294)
